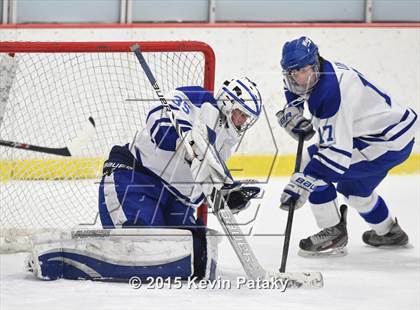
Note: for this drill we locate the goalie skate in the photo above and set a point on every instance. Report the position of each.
(330, 241)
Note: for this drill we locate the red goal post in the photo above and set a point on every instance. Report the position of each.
(57, 87)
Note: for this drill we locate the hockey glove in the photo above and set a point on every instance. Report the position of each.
(209, 171)
(207, 176)
(239, 194)
(197, 137)
(298, 190)
(293, 121)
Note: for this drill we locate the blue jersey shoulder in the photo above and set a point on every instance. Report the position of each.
(198, 95)
(325, 98)
(291, 97)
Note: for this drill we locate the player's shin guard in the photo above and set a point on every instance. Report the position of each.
(395, 237)
(374, 211)
(332, 239)
(324, 207)
(119, 254)
(385, 230)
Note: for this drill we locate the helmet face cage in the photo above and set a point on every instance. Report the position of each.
(296, 55)
(301, 89)
(243, 95)
(251, 119)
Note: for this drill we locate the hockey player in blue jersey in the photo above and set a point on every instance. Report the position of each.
(362, 133)
(154, 182)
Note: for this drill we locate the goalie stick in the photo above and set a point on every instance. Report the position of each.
(136, 49)
(222, 171)
(72, 148)
(246, 256)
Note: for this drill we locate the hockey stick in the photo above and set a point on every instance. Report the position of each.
(237, 239)
(136, 49)
(72, 148)
(246, 256)
(223, 171)
(288, 231)
(8, 69)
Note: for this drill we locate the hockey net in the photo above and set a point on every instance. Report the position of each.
(57, 87)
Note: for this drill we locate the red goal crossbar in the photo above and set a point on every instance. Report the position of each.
(115, 47)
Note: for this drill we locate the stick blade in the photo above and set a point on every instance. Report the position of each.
(81, 140)
(300, 279)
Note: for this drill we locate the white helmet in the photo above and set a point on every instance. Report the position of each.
(240, 94)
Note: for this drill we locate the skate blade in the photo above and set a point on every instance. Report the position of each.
(336, 252)
(392, 247)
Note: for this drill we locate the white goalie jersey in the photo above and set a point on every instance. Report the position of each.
(158, 149)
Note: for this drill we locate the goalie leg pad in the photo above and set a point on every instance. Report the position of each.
(115, 255)
(213, 238)
(205, 251)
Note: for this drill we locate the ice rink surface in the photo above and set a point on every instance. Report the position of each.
(367, 278)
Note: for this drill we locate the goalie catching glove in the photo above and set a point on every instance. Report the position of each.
(239, 194)
(292, 120)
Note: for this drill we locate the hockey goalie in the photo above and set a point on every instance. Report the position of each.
(151, 188)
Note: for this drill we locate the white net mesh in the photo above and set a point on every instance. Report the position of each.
(50, 101)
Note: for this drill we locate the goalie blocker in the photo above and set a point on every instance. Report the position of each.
(119, 254)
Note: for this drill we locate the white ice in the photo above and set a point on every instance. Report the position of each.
(367, 278)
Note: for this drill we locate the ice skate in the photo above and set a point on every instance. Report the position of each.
(330, 241)
(394, 238)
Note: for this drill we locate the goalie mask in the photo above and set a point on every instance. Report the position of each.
(298, 58)
(240, 101)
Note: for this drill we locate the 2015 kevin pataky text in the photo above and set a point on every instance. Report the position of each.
(218, 283)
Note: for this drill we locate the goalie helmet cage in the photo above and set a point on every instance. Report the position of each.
(57, 87)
